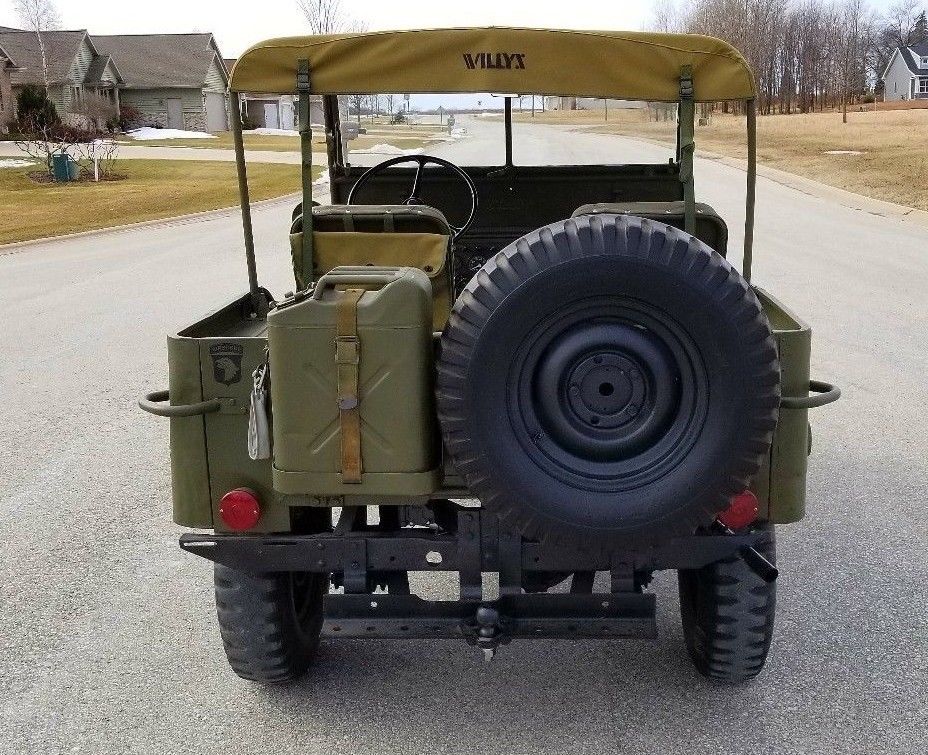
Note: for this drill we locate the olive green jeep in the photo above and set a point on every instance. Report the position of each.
(571, 388)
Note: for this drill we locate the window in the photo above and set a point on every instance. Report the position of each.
(924, 62)
(923, 86)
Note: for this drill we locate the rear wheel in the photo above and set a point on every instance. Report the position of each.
(727, 613)
(270, 623)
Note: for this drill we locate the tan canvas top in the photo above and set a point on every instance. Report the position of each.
(629, 65)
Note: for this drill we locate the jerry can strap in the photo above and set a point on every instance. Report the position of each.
(348, 362)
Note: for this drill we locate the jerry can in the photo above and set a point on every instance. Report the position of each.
(351, 365)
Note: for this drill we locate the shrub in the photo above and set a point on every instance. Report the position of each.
(130, 118)
(35, 110)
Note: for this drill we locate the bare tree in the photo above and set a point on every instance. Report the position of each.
(806, 54)
(86, 143)
(852, 19)
(666, 17)
(328, 17)
(902, 21)
(39, 16)
(356, 102)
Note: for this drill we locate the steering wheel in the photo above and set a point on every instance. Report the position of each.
(413, 198)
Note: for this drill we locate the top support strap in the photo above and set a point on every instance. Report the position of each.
(751, 191)
(306, 151)
(687, 147)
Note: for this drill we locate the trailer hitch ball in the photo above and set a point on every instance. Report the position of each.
(488, 634)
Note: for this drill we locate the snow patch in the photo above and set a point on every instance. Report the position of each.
(274, 132)
(149, 134)
(323, 179)
(14, 163)
(455, 135)
(386, 149)
(843, 152)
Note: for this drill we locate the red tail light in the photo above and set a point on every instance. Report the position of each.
(741, 511)
(240, 509)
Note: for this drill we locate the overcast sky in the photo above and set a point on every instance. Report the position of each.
(239, 24)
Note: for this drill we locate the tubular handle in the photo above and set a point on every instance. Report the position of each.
(822, 394)
(155, 403)
(354, 276)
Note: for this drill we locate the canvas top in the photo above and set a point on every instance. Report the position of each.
(624, 65)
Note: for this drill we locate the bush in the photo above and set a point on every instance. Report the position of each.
(35, 110)
(130, 118)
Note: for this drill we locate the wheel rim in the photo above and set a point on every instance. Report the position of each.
(608, 393)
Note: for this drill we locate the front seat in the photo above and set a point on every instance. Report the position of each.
(380, 235)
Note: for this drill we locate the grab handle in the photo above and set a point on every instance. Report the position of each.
(155, 403)
(822, 394)
(355, 276)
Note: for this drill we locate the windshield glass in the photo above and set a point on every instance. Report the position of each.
(469, 130)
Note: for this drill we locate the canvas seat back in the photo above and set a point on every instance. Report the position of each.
(380, 235)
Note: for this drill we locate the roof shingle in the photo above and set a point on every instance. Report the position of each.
(23, 47)
(155, 61)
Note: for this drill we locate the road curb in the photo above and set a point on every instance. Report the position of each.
(846, 198)
(193, 217)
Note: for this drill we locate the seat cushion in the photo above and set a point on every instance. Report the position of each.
(710, 228)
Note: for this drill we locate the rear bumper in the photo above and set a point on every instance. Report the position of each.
(415, 549)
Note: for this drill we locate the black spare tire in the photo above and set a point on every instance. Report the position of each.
(607, 379)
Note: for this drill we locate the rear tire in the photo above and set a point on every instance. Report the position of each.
(727, 613)
(607, 381)
(270, 623)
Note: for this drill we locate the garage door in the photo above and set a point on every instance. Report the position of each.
(216, 119)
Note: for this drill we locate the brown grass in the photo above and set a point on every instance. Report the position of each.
(152, 189)
(892, 165)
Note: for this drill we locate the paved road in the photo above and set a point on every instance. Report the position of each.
(108, 634)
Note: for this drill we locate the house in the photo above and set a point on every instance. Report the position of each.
(77, 72)
(7, 101)
(174, 80)
(275, 111)
(906, 74)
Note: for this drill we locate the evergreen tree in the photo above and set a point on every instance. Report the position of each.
(919, 30)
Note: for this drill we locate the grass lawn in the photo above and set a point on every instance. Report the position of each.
(404, 139)
(152, 189)
(892, 166)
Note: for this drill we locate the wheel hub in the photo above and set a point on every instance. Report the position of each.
(606, 390)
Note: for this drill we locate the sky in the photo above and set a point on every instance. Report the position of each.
(238, 24)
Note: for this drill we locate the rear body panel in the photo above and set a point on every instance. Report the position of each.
(209, 453)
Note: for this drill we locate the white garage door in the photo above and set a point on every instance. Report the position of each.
(216, 119)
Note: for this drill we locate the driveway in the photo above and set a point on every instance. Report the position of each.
(108, 630)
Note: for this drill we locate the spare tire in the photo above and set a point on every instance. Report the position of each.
(607, 379)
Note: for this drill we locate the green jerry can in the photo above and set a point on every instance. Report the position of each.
(352, 365)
